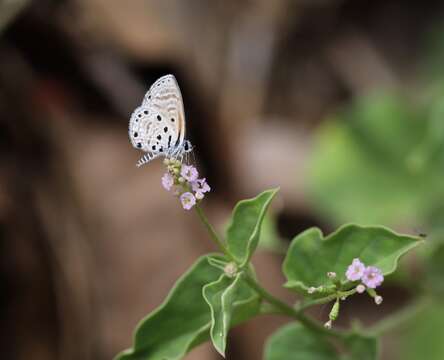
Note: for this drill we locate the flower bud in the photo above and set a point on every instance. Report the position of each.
(230, 269)
(360, 289)
(328, 324)
(199, 196)
(334, 311)
(331, 274)
(378, 300)
(181, 180)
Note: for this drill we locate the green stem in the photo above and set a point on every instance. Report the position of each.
(213, 234)
(286, 309)
(324, 300)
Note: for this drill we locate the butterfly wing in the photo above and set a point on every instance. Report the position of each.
(151, 131)
(165, 99)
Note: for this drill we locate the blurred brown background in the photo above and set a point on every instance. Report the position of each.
(89, 243)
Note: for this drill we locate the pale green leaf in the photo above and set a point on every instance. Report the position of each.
(296, 342)
(244, 230)
(221, 296)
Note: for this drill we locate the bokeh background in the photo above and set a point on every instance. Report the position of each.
(338, 102)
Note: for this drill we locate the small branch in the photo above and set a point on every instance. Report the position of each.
(340, 294)
(213, 234)
(286, 309)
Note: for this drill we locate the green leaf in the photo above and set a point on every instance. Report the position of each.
(217, 262)
(221, 296)
(360, 347)
(295, 342)
(183, 321)
(244, 230)
(311, 255)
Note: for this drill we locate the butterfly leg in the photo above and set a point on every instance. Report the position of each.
(177, 152)
(146, 158)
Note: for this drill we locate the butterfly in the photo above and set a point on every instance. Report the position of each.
(157, 127)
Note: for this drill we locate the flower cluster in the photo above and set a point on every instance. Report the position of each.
(185, 180)
(370, 276)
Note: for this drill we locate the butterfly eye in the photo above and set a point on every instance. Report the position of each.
(139, 145)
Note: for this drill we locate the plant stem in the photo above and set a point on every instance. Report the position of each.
(213, 234)
(306, 304)
(286, 309)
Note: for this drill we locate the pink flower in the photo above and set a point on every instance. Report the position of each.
(200, 186)
(167, 181)
(372, 277)
(188, 200)
(189, 173)
(355, 271)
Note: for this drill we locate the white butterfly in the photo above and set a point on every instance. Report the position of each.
(158, 125)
